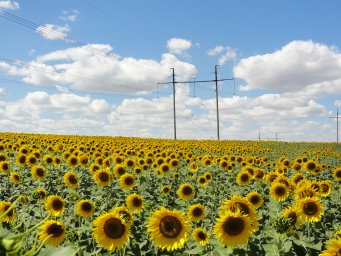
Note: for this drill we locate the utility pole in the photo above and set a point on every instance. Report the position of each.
(216, 95)
(216, 80)
(337, 125)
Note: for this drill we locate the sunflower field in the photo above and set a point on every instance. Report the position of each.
(82, 195)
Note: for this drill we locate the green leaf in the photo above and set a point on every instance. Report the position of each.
(196, 250)
(65, 251)
(287, 246)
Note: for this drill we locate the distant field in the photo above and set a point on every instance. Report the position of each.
(79, 195)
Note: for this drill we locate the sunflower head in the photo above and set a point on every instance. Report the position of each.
(337, 174)
(255, 199)
(119, 170)
(243, 178)
(54, 205)
(293, 214)
(166, 190)
(185, 191)
(85, 208)
(168, 229)
(15, 178)
(71, 180)
(52, 233)
(200, 236)
(103, 177)
(38, 172)
(124, 213)
(196, 212)
(279, 191)
(10, 215)
(110, 231)
(311, 209)
(233, 228)
(4, 167)
(202, 181)
(127, 181)
(134, 203)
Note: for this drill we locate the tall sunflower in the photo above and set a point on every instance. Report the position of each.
(337, 173)
(325, 188)
(38, 172)
(52, 232)
(9, 217)
(110, 231)
(71, 179)
(15, 178)
(292, 212)
(255, 199)
(54, 205)
(185, 191)
(311, 209)
(4, 167)
(134, 203)
(196, 212)
(168, 229)
(233, 228)
(127, 181)
(85, 208)
(279, 191)
(200, 236)
(119, 170)
(103, 177)
(243, 178)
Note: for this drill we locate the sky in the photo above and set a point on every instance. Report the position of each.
(93, 67)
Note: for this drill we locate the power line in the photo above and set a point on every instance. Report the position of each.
(68, 40)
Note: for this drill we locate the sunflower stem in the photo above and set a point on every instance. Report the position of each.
(29, 230)
(10, 208)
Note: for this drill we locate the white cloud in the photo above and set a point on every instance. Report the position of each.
(178, 45)
(84, 70)
(54, 32)
(296, 66)
(2, 92)
(216, 50)
(69, 15)
(337, 103)
(230, 54)
(7, 4)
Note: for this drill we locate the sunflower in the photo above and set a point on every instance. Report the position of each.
(134, 203)
(57, 161)
(259, 174)
(54, 205)
(48, 160)
(255, 199)
(185, 191)
(337, 174)
(72, 161)
(20, 160)
(311, 209)
(337, 234)
(200, 236)
(164, 168)
(333, 248)
(168, 229)
(15, 178)
(243, 178)
(110, 231)
(85, 208)
(310, 166)
(238, 203)
(124, 214)
(40, 194)
(304, 191)
(119, 170)
(166, 190)
(193, 167)
(196, 212)
(71, 179)
(271, 177)
(93, 168)
(296, 166)
(202, 181)
(127, 181)
(279, 191)
(129, 163)
(297, 178)
(52, 232)
(208, 176)
(103, 177)
(31, 160)
(325, 187)
(233, 228)
(174, 163)
(9, 217)
(4, 167)
(38, 172)
(137, 170)
(292, 213)
(83, 160)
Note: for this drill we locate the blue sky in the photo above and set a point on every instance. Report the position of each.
(92, 67)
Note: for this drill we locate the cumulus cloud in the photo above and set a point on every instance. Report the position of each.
(178, 45)
(226, 53)
(54, 32)
(296, 66)
(7, 4)
(82, 69)
(337, 103)
(69, 15)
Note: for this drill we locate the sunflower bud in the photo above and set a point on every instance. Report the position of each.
(282, 225)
